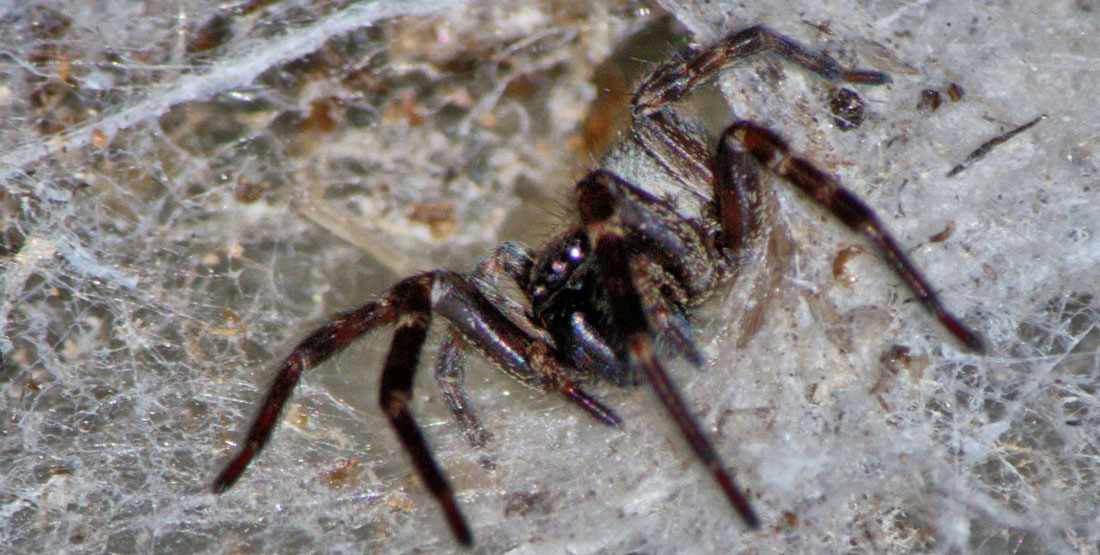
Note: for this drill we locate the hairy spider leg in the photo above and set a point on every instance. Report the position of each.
(413, 304)
(450, 375)
(410, 303)
(738, 198)
(674, 80)
(512, 260)
(675, 272)
(664, 299)
(311, 351)
(509, 259)
(772, 152)
(530, 360)
(613, 217)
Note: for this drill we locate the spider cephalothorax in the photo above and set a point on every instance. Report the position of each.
(662, 222)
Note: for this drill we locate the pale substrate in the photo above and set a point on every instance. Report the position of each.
(175, 217)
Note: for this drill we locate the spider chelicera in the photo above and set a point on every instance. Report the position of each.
(661, 224)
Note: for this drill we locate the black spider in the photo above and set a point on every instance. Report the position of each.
(661, 224)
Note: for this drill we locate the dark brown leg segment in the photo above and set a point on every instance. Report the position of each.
(771, 151)
(313, 350)
(739, 196)
(530, 360)
(673, 81)
(508, 259)
(454, 297)
(599, 215)
(412, 302)
(450, 374)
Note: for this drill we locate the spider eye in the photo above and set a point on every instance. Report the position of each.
(558, 266)
(575, 253)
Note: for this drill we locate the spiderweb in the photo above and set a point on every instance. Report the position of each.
(188, 187)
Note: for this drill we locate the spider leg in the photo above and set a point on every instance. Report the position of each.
(674, 80)
(506, 322)
(311, 351)
(513, 260)
(507, 259)
(739, 199)
(663, 299)
(604, 220)
(661, 131)
(413, 304)
(771, 151)
(449, 377)
(410, 303)
(473, 315)
(588, 349)
(530, 360)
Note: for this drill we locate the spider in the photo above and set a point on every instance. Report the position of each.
(663, 222)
